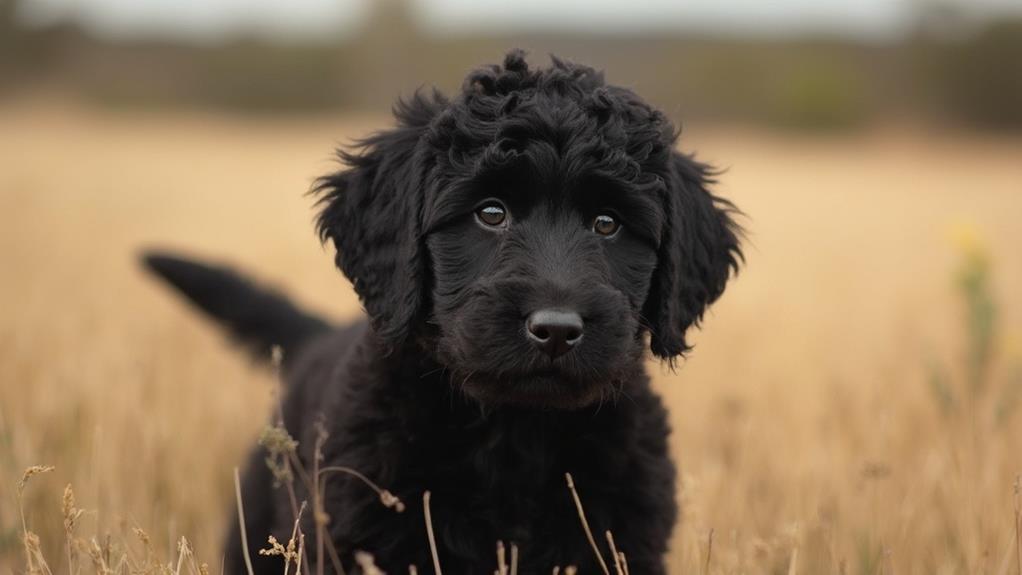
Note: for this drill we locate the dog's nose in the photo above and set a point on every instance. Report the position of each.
(554, 332)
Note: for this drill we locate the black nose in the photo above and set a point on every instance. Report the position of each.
(554, 332)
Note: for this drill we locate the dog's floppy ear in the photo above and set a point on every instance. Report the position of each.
(699, 249)
(372, 213)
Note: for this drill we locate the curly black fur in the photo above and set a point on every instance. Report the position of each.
(442, 391)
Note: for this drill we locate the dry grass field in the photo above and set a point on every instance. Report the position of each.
(825, 423)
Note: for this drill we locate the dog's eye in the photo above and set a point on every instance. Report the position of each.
(605, 225)
(492, 214)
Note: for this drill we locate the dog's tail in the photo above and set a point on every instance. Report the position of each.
(256, 317)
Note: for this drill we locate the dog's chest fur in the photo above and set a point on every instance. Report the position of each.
(494, 475)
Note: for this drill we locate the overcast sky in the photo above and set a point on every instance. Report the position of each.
(210, 19)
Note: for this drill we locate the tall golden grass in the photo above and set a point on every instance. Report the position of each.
(849, 406)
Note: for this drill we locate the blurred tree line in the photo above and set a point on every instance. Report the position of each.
(947, 71)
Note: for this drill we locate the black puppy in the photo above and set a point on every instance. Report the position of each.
(514, 247)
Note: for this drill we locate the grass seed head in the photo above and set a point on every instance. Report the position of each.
(70, 512)
(32, 472)
(391, 501)
(367, 563)
(281, 446)
(275, 547)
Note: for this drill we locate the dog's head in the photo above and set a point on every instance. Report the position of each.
(531, 232)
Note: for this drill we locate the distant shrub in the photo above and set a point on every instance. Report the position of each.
(819, 95)
(981, 77)
(251, 76)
